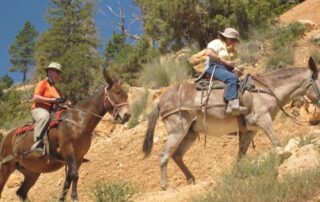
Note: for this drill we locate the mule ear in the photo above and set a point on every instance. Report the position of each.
(107, 77)
(120, 82)
(313, 66)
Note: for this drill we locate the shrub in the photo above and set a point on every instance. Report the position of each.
(158, 74)
(256, 180)
(280, 58)
(283, 41)
(115, 192)
(137, 109)
(287, 35)
(13, 109)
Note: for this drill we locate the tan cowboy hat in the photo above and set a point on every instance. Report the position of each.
(230, 33)
(54, 65)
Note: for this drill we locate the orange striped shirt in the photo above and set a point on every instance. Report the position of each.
(45, 89)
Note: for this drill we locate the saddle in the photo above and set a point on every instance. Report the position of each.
(244, 84)
(55, 119)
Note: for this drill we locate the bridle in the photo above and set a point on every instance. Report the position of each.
(107, 99)
(115, 106)
(315, 90)
(316, 101)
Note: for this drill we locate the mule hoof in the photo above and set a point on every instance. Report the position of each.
(192, 181)
(164, 187)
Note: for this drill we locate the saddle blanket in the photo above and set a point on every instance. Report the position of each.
(53, 123)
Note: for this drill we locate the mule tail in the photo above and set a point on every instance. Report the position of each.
(148, 139)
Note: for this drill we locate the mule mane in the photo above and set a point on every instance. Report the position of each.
(278, 77)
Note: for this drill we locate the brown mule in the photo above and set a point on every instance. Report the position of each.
(184, 116)
(70, 141)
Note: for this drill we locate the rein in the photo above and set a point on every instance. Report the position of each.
(301, 123)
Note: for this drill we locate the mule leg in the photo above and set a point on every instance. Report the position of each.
(177, 126)
(244, 143)
(265, 123)
(66, 186)
(30, 179)
(5, 171)
(182, 149)
(71, 177)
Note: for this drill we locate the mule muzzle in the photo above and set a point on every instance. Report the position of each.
(123, 118)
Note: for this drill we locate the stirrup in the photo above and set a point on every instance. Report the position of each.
(236, 111)
(37, 146)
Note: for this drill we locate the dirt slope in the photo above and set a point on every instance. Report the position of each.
(117, 156)
(307, 10)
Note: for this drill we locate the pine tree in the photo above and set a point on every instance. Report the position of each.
(173, 24)
(22, 50)
(71, 41)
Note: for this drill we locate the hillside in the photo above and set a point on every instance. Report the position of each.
(115, 154)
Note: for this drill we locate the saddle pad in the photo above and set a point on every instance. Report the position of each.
(204, 85)
(30, 126)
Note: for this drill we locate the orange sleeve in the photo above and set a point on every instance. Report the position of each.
(40, 88)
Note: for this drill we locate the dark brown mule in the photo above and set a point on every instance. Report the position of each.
(70, 141)
(184, 117)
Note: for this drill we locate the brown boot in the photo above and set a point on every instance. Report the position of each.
(234, 108)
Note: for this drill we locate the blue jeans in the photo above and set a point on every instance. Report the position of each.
(223, 74)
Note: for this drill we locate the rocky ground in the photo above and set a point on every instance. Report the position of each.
(115, 154)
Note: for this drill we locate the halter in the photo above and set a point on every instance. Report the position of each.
(115, 106)
(316, 91)
(107, 98)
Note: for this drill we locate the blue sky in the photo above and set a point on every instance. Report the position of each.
(14, 13)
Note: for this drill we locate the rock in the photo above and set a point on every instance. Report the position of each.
(316, 39)
(106, 126)
(308, 24)
(292, 145)
(306, 158)
(15, 180)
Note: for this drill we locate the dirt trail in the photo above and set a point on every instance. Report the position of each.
(118, 156)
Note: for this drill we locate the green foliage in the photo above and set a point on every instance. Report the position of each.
(283, 42)
(174, 24)
(167, 72)
(287, 35)
(137, 108)
(256, 180)
(13, 109)
(5, 82)
(22, 50)
(115, 192)
(71, 41)
(125, 60)
(305, 140)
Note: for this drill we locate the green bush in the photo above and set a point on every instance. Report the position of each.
(283, 42)
(114, 192)
(256, 180)
(137, 109)
(158, 74)
(287, 35)
(280, 58)
(14, 110)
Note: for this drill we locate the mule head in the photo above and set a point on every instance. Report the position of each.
(313, 90)
(116, 99)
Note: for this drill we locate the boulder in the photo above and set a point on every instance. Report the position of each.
(306, 158)
(292, 145)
